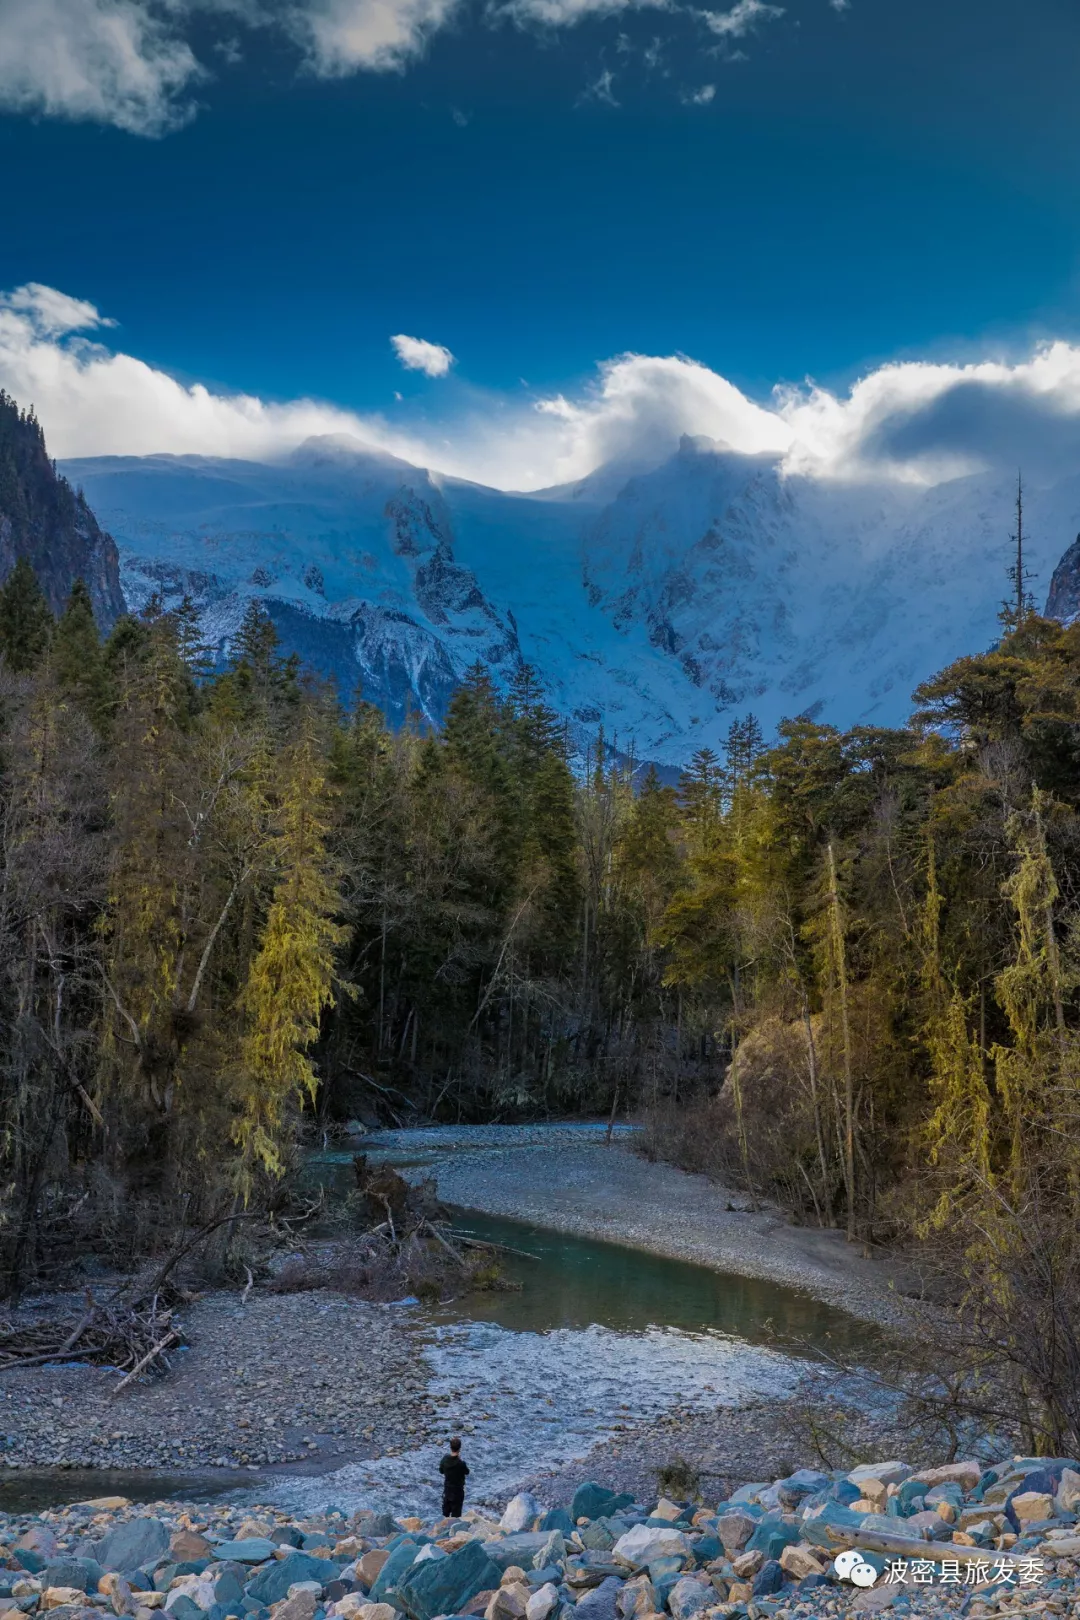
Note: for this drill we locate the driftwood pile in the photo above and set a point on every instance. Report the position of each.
(409, 1249)
(132, 1335)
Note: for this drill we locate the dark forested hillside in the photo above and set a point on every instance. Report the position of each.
(48, 524)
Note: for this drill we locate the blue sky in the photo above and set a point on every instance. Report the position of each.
(545, 186)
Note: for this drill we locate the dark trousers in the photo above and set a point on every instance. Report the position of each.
(453, 1503)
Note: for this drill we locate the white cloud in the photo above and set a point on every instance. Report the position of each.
(340, 36)
(114, 61)
(915, 422)
(601, 89)
(742, 17)
(433, 359)
(699, 97)
(130, 63)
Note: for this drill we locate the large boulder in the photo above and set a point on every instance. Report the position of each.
(646, 1542)
(769, 1579)
(735, 1529)
(252, 1550)
(400, 1561)
(591, 1501)
(966, 1474)
(600, 1602)
(798, 1486)
(193, 1589)
(85, 1573)
(271, 1585)
(445, 1585)
(772, 1535)
(38, 1539)
(522, 1512)
(543, 1602)
(688, 1597)
(131, 1545)
(531, 1549)
(638, 1597)
(889, 1473)
(557, 1519)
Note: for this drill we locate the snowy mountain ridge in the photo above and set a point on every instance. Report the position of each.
(661, 604)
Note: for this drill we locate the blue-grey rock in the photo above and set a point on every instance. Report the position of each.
(597, 1536)
(272, 1583)
(592, 1501)
(253, 1550)
(810, 1583)
(817, 1523)
(689, 1596)
(183, 1608)
(707, 1547)
(540, 1577)
(1039, 1479)
(844, 1492)
(746, 1494)
(228, 1590)
(772, 1536)
(83, 1573)
(769, 1579)
(599, 1604)
(287, 1535)
(444, 1585)
(528, 1548)
(802, 1483)
(662, 1569)
(133, 1544)
(31, 1562)
(557, 1519)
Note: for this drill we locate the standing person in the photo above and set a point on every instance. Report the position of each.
(453, 1470)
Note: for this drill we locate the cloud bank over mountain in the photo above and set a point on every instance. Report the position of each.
(914, 422)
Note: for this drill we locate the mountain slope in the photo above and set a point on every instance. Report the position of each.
(660, 605)
(44, 520)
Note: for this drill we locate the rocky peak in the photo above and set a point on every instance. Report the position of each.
(46, 521)
(1063, 601)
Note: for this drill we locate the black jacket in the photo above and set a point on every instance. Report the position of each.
(453, 1470)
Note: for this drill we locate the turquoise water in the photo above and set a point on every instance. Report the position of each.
(577, 1283)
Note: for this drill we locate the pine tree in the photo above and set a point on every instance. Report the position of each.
(289, 984)
(25, 621)
(1020, 604)
(77, 658)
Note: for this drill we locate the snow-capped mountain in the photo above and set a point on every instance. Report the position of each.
(660, 604)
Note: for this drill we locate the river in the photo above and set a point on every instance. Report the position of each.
(600, 1337)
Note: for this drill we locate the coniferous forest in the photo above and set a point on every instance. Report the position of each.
(840, 969)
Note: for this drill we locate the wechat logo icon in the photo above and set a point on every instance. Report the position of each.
(852, 1566)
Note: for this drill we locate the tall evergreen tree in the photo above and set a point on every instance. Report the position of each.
(25, 621)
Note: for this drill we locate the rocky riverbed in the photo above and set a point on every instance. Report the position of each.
(964, 1538)
(301, 1379)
